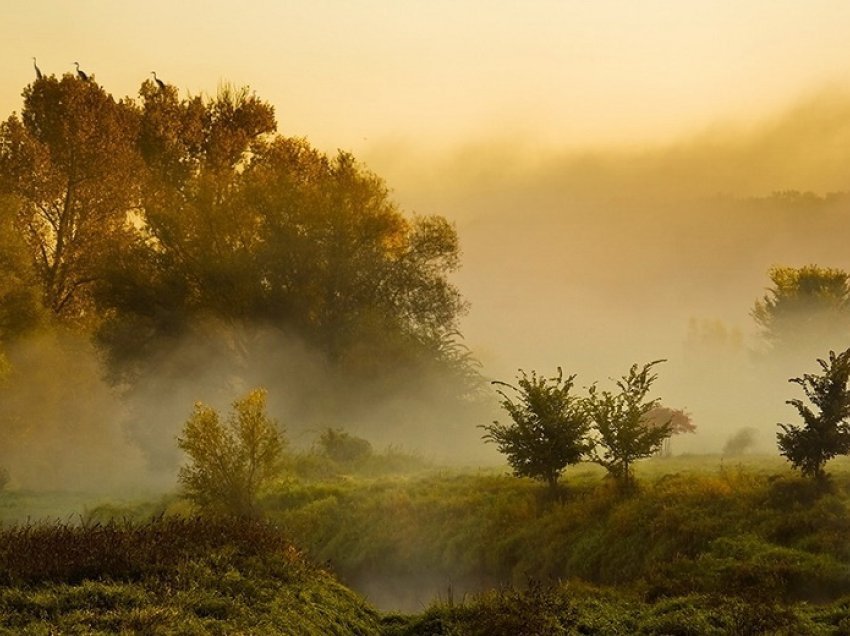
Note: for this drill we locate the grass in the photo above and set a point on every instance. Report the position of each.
(169, 575)
(696, 526)
(704, 546)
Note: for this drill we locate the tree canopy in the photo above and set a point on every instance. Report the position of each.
(549, 428)
(803, 308)
(143, 217)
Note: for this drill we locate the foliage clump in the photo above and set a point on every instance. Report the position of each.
(343, 447)
(549, 428)
(802, 305)
(231, 461)
(621, 421)
(825, 432)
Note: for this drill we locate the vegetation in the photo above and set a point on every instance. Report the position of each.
(826, 431)
(231, 461)
(739, 442)
(679, 421)
(625, 425)
(166, 576)
(143, 224)
(702, 548)
(169, 231)
(557, 610)
(802, 305)
(343, 447)
(228, 220)
(549, 429)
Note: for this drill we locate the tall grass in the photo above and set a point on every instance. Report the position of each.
(169, 575)
(755, 530)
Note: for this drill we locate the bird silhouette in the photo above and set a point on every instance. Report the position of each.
(80, 74)
(159, 82)
(38, 74)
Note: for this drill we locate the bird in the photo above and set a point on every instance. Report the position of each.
(38, 74)
(80, 74)
(158, 81)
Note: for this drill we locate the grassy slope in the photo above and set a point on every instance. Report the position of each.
(703, 548)
(169, 576)
(753, 530)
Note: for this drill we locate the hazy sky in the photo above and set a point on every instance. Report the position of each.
(351, 73)
(596, 156)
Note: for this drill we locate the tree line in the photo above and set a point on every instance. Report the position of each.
(552, 428)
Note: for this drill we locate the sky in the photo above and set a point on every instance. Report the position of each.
(355, 73)
(609, 164)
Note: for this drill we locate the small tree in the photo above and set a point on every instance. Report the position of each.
(230, 461)
(825, 432)
(549, 429)
(621, 419)
(680, 421)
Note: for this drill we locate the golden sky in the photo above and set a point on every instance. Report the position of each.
(358, 72)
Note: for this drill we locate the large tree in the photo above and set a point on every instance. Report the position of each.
(71, 162)
(246, 226)
(21, 306)
(181, 232)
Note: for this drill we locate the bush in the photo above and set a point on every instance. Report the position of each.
(231, 462)
(343, 447)
(625, 429)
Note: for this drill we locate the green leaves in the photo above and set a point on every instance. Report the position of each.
(803, 307)
(549, 430)
(231, 461)
(552, 428)
(624, 423)
(825, 432)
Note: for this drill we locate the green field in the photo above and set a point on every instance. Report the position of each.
(706, 546)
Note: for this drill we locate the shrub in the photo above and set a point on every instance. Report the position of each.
(231, 461)
(343, 447)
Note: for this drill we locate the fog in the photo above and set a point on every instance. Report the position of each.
(596, 258)
(69, 427)
(587, 258)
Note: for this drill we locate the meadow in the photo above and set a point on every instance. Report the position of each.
(705, 546)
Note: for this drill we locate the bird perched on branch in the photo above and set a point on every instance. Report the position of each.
(80, 74)
(159, 82)
(38, 74)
